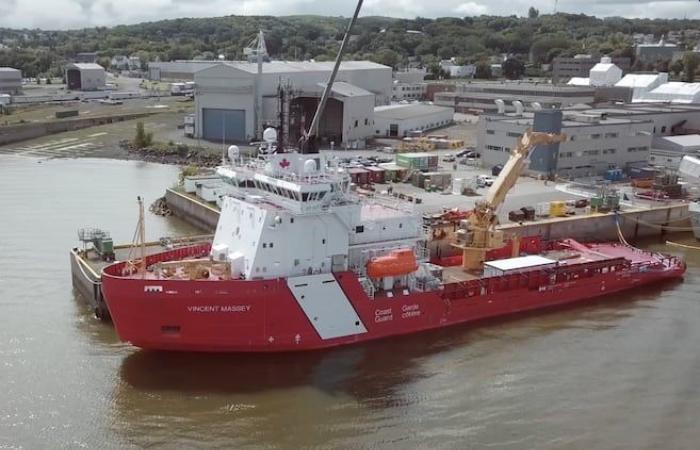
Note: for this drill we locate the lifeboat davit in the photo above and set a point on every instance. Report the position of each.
(396, 263)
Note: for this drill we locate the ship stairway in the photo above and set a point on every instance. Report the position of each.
(367, 285)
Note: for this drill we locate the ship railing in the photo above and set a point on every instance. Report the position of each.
(386, 201)
(422, 251)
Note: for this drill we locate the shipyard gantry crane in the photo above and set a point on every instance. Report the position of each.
(478, 234)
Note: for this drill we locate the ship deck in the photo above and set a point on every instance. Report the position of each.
(92, 261)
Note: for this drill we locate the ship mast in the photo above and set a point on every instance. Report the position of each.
(312, 133)
(138, 241)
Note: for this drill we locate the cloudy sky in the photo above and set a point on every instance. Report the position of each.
(62, 14)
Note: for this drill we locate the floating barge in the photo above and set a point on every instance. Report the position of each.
(87, 264)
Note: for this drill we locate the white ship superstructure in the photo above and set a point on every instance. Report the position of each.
(293, 214)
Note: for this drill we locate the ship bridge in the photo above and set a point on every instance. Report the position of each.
(300, 183)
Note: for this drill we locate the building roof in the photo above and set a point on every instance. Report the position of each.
(522, 262)
(634, 80)
(603, 67)
(686, 140)
(408, 111)
(579, 81)
(587, 118)
(346, 89)
(304, 66)
(86, 66)
(677, 88)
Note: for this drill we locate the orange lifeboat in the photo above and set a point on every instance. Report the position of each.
(396, 263)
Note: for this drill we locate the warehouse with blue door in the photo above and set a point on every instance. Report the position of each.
(226, 95)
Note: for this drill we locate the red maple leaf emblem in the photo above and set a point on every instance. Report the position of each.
(284, 163)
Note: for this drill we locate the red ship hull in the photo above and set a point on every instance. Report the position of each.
(264, 316)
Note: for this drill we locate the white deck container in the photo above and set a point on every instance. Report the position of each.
(517, 265)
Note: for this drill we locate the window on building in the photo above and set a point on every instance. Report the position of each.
(595, 136)
(610, 135)
(490, 132)
(366, 121)
(511, 134)
(663, 129)
(356, 123)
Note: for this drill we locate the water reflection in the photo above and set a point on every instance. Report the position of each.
(344, 395)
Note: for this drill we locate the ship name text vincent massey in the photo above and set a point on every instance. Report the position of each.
(219, 308)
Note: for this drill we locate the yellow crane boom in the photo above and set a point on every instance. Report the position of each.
(480, 234)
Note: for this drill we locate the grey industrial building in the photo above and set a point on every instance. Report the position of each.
(398, 120)
(177, 70)
(650, 53)
(85, 58)
(565, 68)
(597, 138)
(480, 96)
(85, 77)
(668, 151)
(225, 99)
(595, 143)
(10, 81)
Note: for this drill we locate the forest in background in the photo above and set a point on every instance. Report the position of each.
(534, 40)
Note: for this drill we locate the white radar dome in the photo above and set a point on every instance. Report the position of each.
(309, 166)
(270, 135)
(233, 152)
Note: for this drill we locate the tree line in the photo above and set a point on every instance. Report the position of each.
(534, 39)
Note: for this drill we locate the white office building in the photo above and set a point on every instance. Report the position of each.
(408, 91)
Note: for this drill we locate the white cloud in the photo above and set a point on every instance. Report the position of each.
(59, 14)
(471, 9)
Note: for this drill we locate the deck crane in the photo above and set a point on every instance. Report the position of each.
(478, 232)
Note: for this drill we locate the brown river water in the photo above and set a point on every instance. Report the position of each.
(619, 373)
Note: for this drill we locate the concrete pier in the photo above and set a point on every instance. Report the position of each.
(193, 210)
(635, 224)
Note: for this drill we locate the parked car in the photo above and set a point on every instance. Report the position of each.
(484, 180)
(449, 158)
(496, 170)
